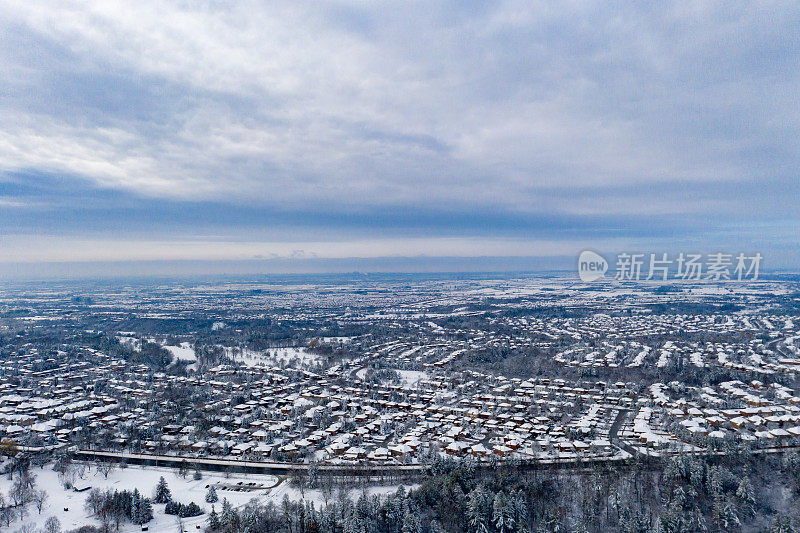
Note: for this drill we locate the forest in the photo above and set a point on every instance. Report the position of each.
(743, 492)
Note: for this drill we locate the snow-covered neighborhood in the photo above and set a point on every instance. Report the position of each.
(278, 392)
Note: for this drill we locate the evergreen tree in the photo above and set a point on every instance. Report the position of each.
(211, 495)
(746, 495)
(478, 507)
(190, 509)
(782, 524)
(213, 520)
(145, 510)
(172, 507)
(136, 507)
(696, 473)
(227, 516)
(519, 510)
(501, 514)
(657, 526)
(411, 523)
(729, 520)
(163, 494)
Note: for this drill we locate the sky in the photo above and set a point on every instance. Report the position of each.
(409, 136)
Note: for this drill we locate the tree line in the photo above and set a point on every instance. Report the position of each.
(683, 494)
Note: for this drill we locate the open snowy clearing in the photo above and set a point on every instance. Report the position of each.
(410, 378)
(184, 490)
(184, 352)
(271, 357)
(144, 479)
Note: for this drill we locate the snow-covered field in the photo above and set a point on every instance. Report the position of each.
(130, 341)
(184, 352)
(271, 357)
(144, 479)
(410, 378)
(335, 340)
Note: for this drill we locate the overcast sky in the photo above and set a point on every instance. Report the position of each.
(140, 131)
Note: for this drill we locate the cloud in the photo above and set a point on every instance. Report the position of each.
(534, 115)
(35, 250)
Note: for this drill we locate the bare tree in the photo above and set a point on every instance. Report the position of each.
(183, 470)
(327, 486)
(105, 468)
(39, 499)
(6, 512)
(27, 479)
(67, 476)
(52, 525)
(94, 502)
(21, 494)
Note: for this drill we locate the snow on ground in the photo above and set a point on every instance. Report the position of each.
(184, 490)
(130, 341)
(144, 479)
(335, 340)
(184, 352)
(410, 378)
(637, 361)
(270, 357)
(287, 354)
(697, 359)
(316, 496)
